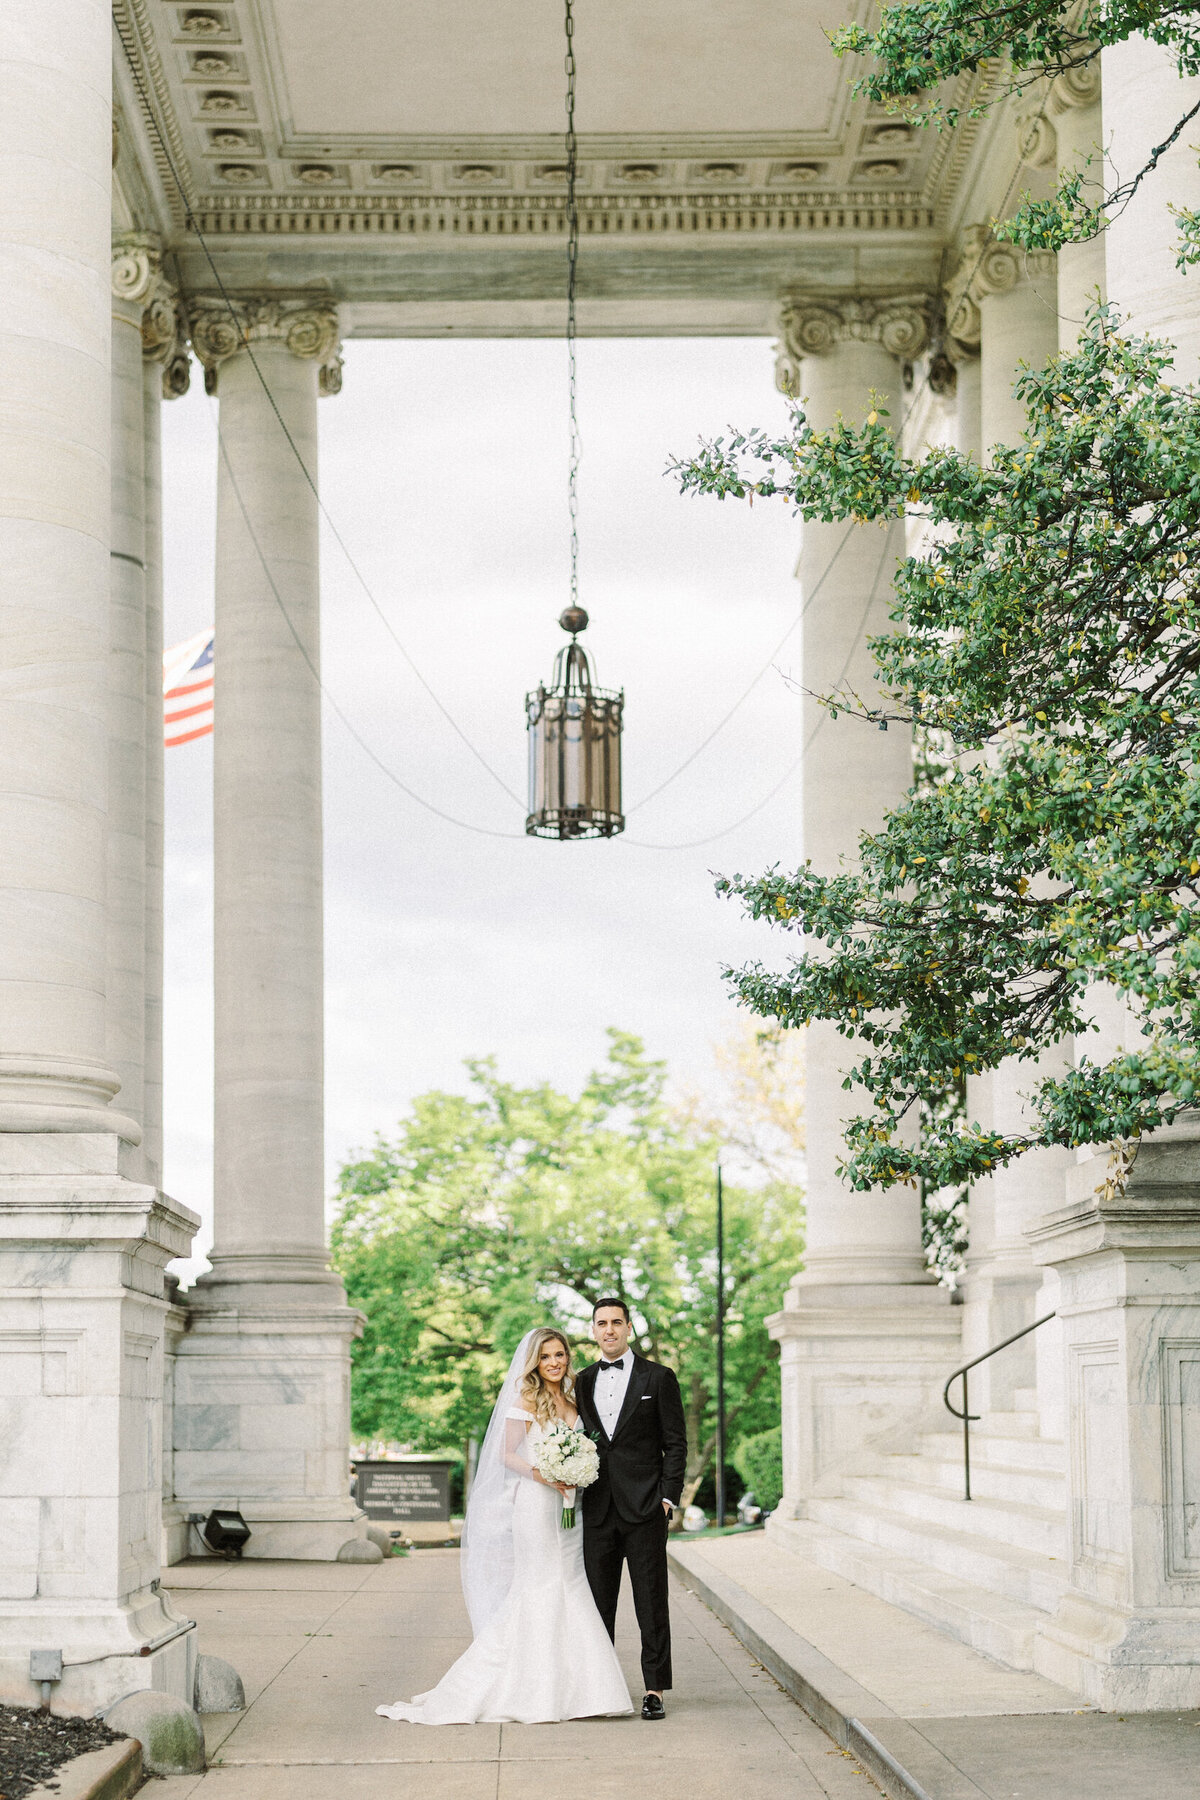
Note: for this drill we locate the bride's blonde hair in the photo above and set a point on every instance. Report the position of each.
(534, 1393)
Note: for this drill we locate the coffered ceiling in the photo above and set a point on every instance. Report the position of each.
(408, 155)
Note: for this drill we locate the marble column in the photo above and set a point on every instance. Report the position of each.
(136, 268)
(1000, 305)
(1144, 98)
(262, 1378)
(1074, 105)
(1125, 1246)
(83, 1240)
(865, 1333)
(166, 375)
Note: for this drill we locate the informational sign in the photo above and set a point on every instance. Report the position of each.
(405, 1492)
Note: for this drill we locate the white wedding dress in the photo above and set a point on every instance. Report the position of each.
(541, 1652)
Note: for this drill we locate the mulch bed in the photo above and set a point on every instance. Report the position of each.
(34, 1743)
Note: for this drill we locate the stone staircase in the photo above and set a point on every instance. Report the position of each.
(987, 1570)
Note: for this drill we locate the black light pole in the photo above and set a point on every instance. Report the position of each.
(720, 1350)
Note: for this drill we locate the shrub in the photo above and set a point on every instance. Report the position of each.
(759, 1462)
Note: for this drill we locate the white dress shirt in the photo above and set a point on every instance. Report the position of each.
(609, 1393)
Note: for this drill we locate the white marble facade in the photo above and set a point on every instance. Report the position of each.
(1109, 1384)
(125, 1408)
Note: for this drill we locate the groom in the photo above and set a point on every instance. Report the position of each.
(633, 1409)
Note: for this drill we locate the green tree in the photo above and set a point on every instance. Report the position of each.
(493, 1211)
(1051, 632)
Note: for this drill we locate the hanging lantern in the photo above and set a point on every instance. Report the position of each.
(574, 748)
(574, 727)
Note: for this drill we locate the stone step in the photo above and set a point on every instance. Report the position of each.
(1002, 1628)
(1044, 1488)
(999, 1568)
(1038, 1529)
(1003, 1424)
(994, 1447)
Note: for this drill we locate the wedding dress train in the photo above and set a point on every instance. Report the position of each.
(544, 1653)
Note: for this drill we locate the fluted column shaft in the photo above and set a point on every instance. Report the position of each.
(55, 134)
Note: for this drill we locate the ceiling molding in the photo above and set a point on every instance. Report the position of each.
(134, 27)
(541, 215)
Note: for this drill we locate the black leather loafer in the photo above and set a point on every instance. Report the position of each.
(653, 1708)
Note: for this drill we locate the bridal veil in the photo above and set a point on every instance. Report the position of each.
(487, 1539)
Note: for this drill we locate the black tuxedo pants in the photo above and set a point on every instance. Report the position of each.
(643, 1546)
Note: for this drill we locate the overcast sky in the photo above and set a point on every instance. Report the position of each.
(443, 466)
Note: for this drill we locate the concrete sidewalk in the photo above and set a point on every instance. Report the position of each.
(930, 1718)
(320, 1645)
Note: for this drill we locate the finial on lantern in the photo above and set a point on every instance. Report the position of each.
(574, 620)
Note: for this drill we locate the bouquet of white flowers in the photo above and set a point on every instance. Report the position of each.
(564, 1453)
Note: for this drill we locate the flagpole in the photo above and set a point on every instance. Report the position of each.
(720, 1350)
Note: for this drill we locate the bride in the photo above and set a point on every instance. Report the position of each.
(541, 1651)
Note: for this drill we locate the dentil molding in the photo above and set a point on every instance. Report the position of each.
(815, 325)
(987, 266)
(221, 327)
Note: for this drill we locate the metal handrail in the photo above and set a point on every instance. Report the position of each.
(966, 1415)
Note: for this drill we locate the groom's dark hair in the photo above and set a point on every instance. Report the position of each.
(612, 1301)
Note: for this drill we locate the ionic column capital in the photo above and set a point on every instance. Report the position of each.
(165, 340)
(986, 266)
(147, 301)
(309, 328)
(1077, 87)
(136, 269)
(816, 324)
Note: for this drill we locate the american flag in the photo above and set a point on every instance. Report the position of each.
(188, 690)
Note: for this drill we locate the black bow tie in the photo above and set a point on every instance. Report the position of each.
(617, 1365)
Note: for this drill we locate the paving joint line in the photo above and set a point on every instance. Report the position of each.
(286, 1665)
(845, 1730)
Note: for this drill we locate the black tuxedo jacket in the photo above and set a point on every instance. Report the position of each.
(643, 1463)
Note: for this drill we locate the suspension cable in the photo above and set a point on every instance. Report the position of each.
(572, 147)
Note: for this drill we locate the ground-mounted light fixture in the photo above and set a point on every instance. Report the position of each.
(574, 747)
(225, 1531)
(574, 727)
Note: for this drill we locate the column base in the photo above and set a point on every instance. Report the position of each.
(82, 1309)
(1123, 1661)
(262, 1417)
(1127, 1250)
(862, 1368)
(101, 1650)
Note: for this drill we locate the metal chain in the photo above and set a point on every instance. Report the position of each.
(572, 261)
